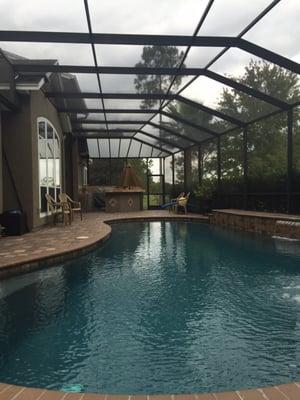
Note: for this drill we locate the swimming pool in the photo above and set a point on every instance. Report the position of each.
(162, 307)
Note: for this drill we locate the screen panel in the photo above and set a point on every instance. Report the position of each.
(93, 148)
(153, 18)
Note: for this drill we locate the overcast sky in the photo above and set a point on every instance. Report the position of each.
(279, 31)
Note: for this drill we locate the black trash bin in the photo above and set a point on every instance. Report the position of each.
(14, 222)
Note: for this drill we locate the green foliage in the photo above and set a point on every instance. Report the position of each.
(154, 57)
(141, 169)
(232, 156)
(209, 160)
(206, 189)
(179, 168)
(267, 139)
(263, 76)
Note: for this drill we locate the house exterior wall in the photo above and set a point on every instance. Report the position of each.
(41, 107)
(17, 160)
(20, 143)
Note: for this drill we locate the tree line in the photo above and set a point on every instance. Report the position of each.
(267, 139)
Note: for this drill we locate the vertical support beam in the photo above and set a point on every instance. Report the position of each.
(184, 172)
(289, 159)
(119, 148)
(219, 162)
(219, 172)
(148, 186)
(141, 145)
(160, 166)
(68, 162)
(245, 167)
(110, 167)
(163, 161)
(173, 173)
(88, 170)
(75, 165)
(200, 175)
(63, 162)
(1, 171)
(128, 150)
(187, 165)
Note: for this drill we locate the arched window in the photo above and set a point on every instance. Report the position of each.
(49, 162)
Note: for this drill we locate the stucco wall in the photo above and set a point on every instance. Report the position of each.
(20, 140)
(17, 159)
(42, 107)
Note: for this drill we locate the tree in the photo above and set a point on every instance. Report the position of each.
(155, 57)
(141, 168)
(267, 139)
(263, 76)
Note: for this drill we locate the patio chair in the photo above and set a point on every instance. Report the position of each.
(182, 202)
(59, 209)
(75, 206)
(172, 205)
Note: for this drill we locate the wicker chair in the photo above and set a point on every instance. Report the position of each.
(75, 206)
(58, 209)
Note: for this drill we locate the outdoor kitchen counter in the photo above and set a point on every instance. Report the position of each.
(119, 199)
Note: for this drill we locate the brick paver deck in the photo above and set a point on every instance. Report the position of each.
(53, 244)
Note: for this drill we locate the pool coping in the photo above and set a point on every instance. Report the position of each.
(290, 391)
(258, 214)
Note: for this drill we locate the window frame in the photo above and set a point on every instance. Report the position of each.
(57, 188)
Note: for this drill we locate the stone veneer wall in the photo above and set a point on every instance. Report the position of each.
(257, 223)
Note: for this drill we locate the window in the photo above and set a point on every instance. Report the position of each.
(49, 162)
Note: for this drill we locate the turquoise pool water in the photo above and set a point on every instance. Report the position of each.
(163, 307)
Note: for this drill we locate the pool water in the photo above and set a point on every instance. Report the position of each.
(163, 307)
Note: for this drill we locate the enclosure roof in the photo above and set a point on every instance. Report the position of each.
(89, 72)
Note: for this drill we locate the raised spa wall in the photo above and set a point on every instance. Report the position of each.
(258, 222)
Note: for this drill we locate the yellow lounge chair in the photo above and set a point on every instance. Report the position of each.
(174, 202)
(182, 202)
